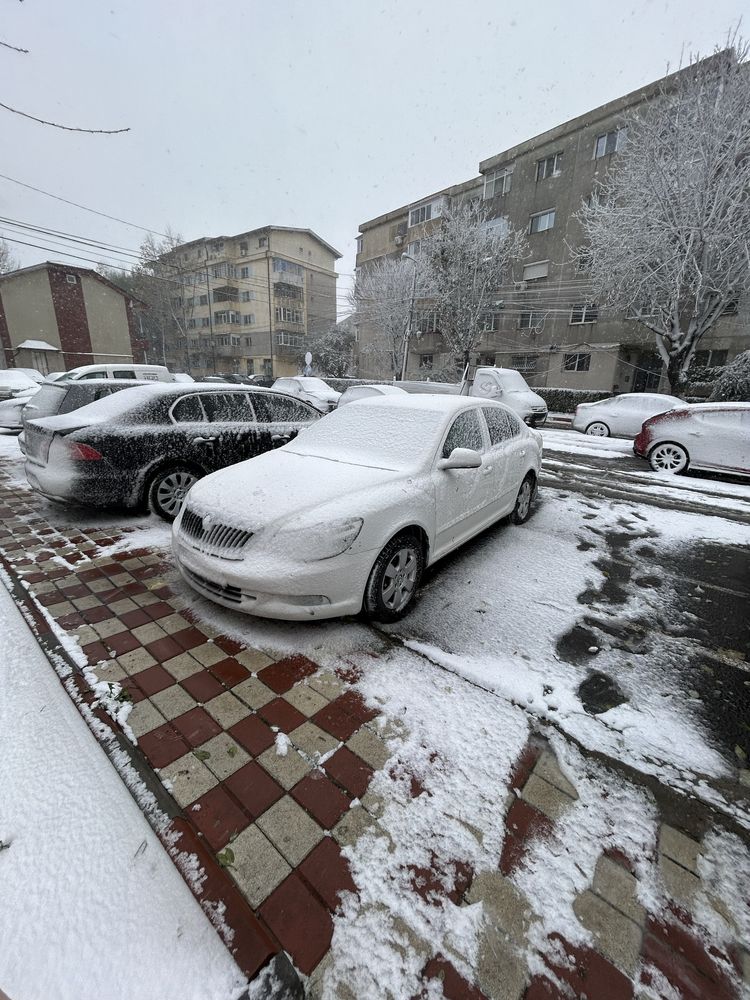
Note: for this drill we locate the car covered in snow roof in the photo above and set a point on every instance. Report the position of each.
(148, 444)
(711, 437)
(347, 516)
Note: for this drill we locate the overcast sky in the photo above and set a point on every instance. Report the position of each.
(315, 114)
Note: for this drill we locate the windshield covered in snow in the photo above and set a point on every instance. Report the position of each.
(398, 439)
(512, 381)
(316, 384)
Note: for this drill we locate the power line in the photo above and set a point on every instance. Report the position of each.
(65, 128)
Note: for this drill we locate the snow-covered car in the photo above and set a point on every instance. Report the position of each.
(147, 445)
(712, 437)
(355, 392)
(623, 415)
(346, 517)
(14, 381)
(312, 390)
(11, 410)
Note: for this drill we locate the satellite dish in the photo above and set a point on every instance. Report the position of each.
(308, 358)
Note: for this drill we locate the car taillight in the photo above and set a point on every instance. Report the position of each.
(81, 452)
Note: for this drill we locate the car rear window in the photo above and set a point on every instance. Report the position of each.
(48, 400)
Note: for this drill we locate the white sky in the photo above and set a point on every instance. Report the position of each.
(315, 114)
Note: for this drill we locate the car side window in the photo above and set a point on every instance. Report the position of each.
(123, 374)
(501, 424)
(465, 432)
(188, 410)
(272, 408)
(228, 407)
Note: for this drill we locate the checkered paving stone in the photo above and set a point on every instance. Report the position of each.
(268, 828)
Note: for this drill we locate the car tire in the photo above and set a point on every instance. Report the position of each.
(168, 488)
(394, 579)
(668, 457)
(522, 510)
(598, 429)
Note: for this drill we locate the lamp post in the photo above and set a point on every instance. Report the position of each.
(407, 331)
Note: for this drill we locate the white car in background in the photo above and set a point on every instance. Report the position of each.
(355, 392)
(312, 390)
(712, 437)
(346, 517)
(623, 415)
(11, 410)
(14, 381)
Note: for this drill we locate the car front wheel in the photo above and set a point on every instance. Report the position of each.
(168, 490)
(522, 510)
(668, 457)
(598, 429)
(394, 579)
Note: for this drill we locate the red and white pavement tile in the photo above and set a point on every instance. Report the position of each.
(265, 763)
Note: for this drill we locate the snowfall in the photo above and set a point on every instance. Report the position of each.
(95, 908)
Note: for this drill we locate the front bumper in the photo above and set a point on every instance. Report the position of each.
(536, 419)
(328, 588)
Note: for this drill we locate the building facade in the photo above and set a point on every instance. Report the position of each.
(543, 322)
(55, 316)
(251, 303)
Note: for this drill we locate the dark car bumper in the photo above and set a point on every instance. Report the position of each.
(86, 488)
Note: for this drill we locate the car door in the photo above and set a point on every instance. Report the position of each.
(280, 418)
(233, 428)
(191, 437)
(508, 445)
(462, 496)
(719, 439)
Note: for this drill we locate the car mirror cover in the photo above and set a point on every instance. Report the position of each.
(461, 458)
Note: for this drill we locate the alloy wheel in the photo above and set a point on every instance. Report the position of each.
(598, 429)
(523, 502)
(399, 579)
(668, 458)
(172, 490)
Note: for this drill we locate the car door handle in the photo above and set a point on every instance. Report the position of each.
(281, 437)
(203, 440)
(522, 453)
(486, 470)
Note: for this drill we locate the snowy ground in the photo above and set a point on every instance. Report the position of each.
(91, 902)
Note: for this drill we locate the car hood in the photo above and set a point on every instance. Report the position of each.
(524, 396)
(282, 485)
(329, 397)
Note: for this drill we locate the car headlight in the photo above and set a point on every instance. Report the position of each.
(322, 540)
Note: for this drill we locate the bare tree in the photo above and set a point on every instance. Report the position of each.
(465, 261)
(667, 232)
(8, 260)
(382, 300)
(333, 350)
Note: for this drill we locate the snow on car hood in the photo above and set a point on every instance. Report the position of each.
(281, 485)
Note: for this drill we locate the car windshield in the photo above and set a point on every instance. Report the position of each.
(513, 381)
(379, 437)
(313, 383)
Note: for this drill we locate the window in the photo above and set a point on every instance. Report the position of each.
(280, 409)
(541, 221)
(191, 324)
(530, 320)
(123, 373)
(426, 321)
(498, 182)
(414, 249)
(235, 341)
(423, 213)
(248, 341)
(250, 363)
(533, 272)
(549, 166)
(243, 248)
(71, 279)
(282, 289)
(286, 265)
(525, 363)
(244, 272)
(248, 319)
(268, 367)
(465, 432)
(226, 294)
(205, 321)
(501, 424)
(425, 360)
(610, 142)
(584, 313)
(263, 241)
(188, 410)
(491, 321)
(226, 316)
(284, 339)
(228, 407)
(359, 244)
(709, 359)
(203, 300)
(576, 362)
(285, 315)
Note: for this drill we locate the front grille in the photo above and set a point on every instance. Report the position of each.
(220, 540)
(233, 594)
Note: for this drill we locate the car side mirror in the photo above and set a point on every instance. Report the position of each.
(461, 458)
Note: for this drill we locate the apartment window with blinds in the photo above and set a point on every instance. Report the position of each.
(584, 313)
(550, 166)
(533, 272)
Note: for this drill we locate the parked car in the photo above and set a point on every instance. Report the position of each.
(11, 410)
(314, 390)
(623, 415)
(347, 516)
(714, 437)
(504, 385)
(34, 375)
(149, 373)
(148, 444)
(355, 392)
(13, 381)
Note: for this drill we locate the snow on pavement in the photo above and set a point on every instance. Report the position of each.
(585, 444)
(84, 881)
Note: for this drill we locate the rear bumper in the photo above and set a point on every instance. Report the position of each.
(328, 588)
(66, 486)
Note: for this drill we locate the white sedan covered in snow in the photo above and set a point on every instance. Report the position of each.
(347, 516)
(623, 415)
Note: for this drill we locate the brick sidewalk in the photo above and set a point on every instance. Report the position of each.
(267, 763)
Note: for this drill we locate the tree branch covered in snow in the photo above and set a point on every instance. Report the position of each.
(464, 261)
(381, 299)
(734, 381)
(8, 261)
(667, 232)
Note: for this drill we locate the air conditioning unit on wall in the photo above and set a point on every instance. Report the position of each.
(398, 240)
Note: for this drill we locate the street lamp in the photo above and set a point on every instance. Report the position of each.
(407, 331)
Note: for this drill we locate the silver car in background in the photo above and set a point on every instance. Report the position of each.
(623, 415)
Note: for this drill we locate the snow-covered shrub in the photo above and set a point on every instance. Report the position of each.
(734, 382)
(566, 400)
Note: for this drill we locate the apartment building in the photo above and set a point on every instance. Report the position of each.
(57, 316)
(543, 322)
(249, 304)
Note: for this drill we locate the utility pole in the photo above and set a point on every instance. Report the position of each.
(210, 314)
(407, 331)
